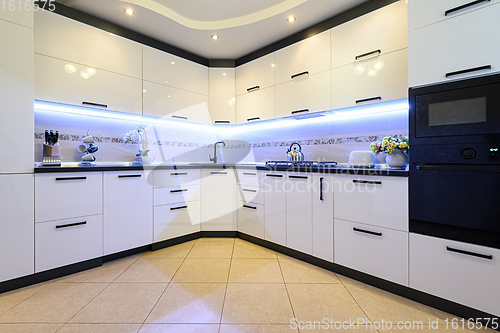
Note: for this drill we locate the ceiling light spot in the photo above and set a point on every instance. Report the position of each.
(144, 91)
(91, 71)
(291, 19)
(272, 65)
(70, 68)
(215, 37)
(84, 75)
(173, 62)
(224, 74)
(168, 96)
(129, 11)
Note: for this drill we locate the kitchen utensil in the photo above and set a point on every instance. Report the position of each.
(294, 152)
(82, 148)
(88, 158)
(92, 149)
(362, 159)
(88, 139)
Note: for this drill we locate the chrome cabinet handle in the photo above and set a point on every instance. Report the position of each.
(449, 11)
(61, 226)
(247, 190)
(180, 117)
(469, 70)
(249, 174)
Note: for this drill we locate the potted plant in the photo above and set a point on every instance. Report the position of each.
(140, 133)
(395, 149)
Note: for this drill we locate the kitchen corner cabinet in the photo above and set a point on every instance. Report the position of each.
(255, 105)
(18, 16)
(16, 94)
(378, 79)
(322, 218)
(16, 226)
(275, 209)
(379, 32)
(463, 273)
(299, 226)
(221, 100)
(455, 49)
(256, 74)
(55, 82)
(128, 211)
(218, 200)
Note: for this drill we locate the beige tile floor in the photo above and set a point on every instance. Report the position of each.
(207, 285)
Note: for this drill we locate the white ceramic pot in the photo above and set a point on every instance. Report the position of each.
(147, 160)
(361, 159)
(398, 159)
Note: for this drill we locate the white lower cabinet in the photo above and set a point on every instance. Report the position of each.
(128, 211)
(275, 207)
(322, 209)
(16, 226)
(299, 212)
(218, 200)
(176, 220)
(251, 219)
(372, 250)
(68, 241)
(251, 194)
(463, 273)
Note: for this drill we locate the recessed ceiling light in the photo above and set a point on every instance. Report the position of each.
(215, 37)
(129, 11)
(173, 62)
(224, 74)
(291, 19)
(272, 65)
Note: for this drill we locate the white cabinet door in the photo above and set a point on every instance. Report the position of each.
(364, 199)
(299, 212)
(372, 250)
(176, 178)
(311, 55)
(165, 101)
(438, 269)
(275, 211)
(425, 12)
(64, 38)
(379, 32)
(176, 220)
(322, 209)
(437, 52)
(17, 13)
(222, 96)
(218, 200)
(257, 73)
(66, 242)
(65, 195)
(16, 226)
(69, 83)
(255, 105)
(305, 95)
(378, 79)
(16, 94)
(251, 219)
(128, 211)
(164, 68)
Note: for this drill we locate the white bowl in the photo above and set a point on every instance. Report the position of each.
(361, 159)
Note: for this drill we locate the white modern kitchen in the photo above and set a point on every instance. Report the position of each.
(258, 166)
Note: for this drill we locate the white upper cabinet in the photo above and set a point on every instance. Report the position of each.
(455, 49)
(311, 55)
(425, 12)
(221, 98)
(16, 12)
(64, 38)
(70, 83)
(305, 95)
(16, 94)
(164, 68)
(254, 75)
(378, 79)
(165, 101)
(379, 32)
(256, 105)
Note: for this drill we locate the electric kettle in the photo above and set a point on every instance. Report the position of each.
(293, 154)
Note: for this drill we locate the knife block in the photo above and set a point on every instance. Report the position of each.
(50, 151)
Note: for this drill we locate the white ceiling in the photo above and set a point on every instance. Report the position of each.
(243, 25)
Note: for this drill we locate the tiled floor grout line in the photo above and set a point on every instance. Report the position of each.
(343, 284)
(286, 289)
(48, 284)
(227, 284)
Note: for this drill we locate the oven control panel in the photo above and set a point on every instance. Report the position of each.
(479, 153)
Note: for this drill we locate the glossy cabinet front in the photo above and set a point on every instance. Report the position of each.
(275, 213)
(218, 200)
(257, 73)
(255, 105)
(222, 96)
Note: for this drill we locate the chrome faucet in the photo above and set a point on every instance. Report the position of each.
(214, 159)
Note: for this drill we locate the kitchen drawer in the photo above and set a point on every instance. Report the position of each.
(310, 55)
(439, 51)
(310, 93)
(173, 195)
(425, 12)
(255, 105)
(256, 73)
(372, 250)
(251, 194)
(459, 277)
(250, 177)
(104, 90)
(176, 220)
(175, 178)
(64, 195)
(374, 200)
(377, 79)
(251, 219)
(65, 242)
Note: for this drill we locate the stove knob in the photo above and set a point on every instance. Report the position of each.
(468, 153)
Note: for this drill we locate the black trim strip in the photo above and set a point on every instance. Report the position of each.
(247, 190)
(299, 74)
(71, 178)
(61, 226)
(300, 111)
(367, 54)
(95, 104)
(180, 117)
(372, 182)
(373, 99)
(177, 191)
(449, 11)
(251, 119)
(367, 231)
(178, 173)
(180, 207)
(251, 207)
(469, 70)
(298, 177)
(479, 255)
(253, 89)
(277, 176)
(129, 176)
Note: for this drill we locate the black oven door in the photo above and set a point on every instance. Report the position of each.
(457, 202)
